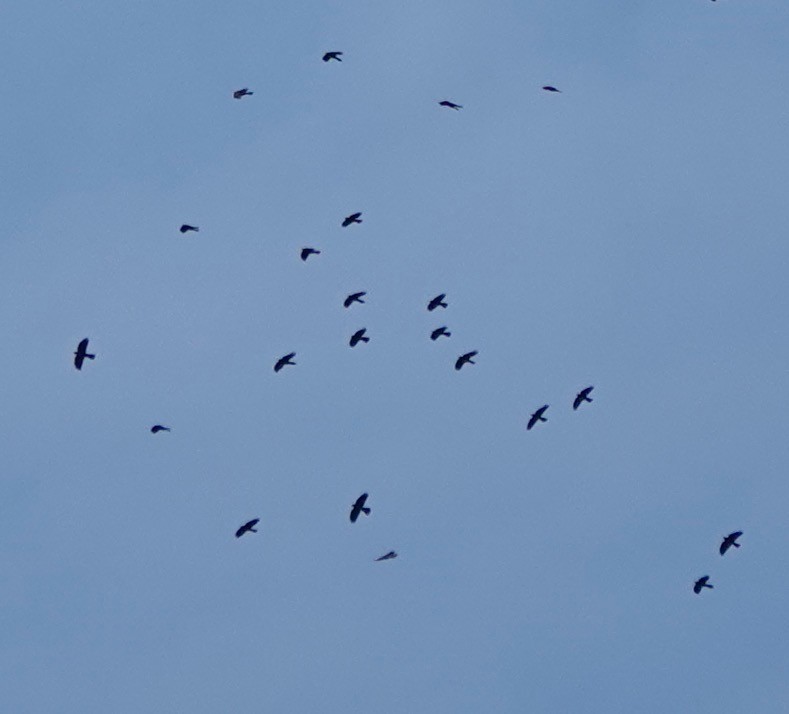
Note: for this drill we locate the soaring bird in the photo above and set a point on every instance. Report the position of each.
(242, 93)
(307, 252)
(435, 334)
(466, 358)
(729, 541)
(387, 556)
(359, 507)
(186, 227)
(332, 56)
(282, 361)
(700, 584)
(358, 337)
(82, 353)
(450, 105)
(549, 88)
(158, 427)
(353, 218)
(537, 416)
(582, 396)
(437, 301)
(248, 527)
(354, 297)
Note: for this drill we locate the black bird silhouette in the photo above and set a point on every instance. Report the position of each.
(186, 227)
(332, 56)
(435, 334)
(466, 358)
(282, 361)
(549, 88)
(82, 353)
(242, 93)
(359, 507)
(437, 301)
(451, 105)
(537, 416)
(387, 556)
(729, 541)
(158, 427)
(354, 297)
(358, 336)
(307, 252)
(248, 527)
(353, 218)
(582, 396)
(700, 584)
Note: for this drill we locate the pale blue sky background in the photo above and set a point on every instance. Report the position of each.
(629, 233)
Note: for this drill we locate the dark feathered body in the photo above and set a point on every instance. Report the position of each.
(537, 416)
(359, 507)
(248, 527)
(82, 354)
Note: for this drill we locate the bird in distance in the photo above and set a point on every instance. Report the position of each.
(450, 105)
(353, 218)
(581, 397)
(700, 584)
(354, 297)
(82, 353)
(307, 252)
(466, 359)
(186, 227)
(729, 541)
(242, 93)
(358, 337)
(282, 361)
(437, 301)
(537, 416)
(158, 427)
(549, 88)
(332, 56)
(387, 556)
(435, 334)
(359, 507)
(248, 527)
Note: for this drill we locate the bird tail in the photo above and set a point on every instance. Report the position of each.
(364, 339)
(588, 399)
(366, 511)
(707, 585)
(448, 334)
(442, 304)
(736, 545)
(542, 418)
(94, 357)
(253, 530)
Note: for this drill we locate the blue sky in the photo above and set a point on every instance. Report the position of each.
(628, 233)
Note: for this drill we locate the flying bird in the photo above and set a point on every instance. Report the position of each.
(387, 556)
(353, 218)
(581, 397)
(466, 358)
(248, 527)
(450, 105)
(729, 541)
(358, 336)
(82, 353)
(549, 88)
(354, 297)
(332, 56)
(435, 334)
(700, 584)
(158, 427)
(437, 301)
(307, 252)
(242, 93)
(537, 416)
(359, 507)
(186, 227)
(282, 361)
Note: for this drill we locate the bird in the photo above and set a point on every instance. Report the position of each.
(242, 93)
(186, 227)
(437, 301)
(359, 507)
(451, 105)
(307, 252)
(82, 353)
(537, 416)
(158, 427)
(581, 397)
(282, 361)
(332, 56)
(387, 556)
(353, 218)
(358, 337)
(435, 334)
(354, 297)
(729, 541)
(549, 88)
(700, 584)
(466, 358)
(248, 527)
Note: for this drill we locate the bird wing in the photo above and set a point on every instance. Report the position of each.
(252, 523)
(82, 347)
(697, 587)
(532, 421)
(725, 546)
(577, 401)
(347, 302)
(734, 536)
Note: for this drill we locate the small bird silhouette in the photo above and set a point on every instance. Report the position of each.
(158, 427)
(332, 56)
(537, 416)
(387, 556)
(242, 93)
(82, 353)
(700, 584)
(359, 507)
(582, 396)
(307, 252)
(729, 541)
(186, 227)
(435, 334)
(353, 218)
(549, 88)
(450, 105)
(437, 301)
(282, 361)
(466, 359)
(354, 297)
(358, 337)
(248, 527)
